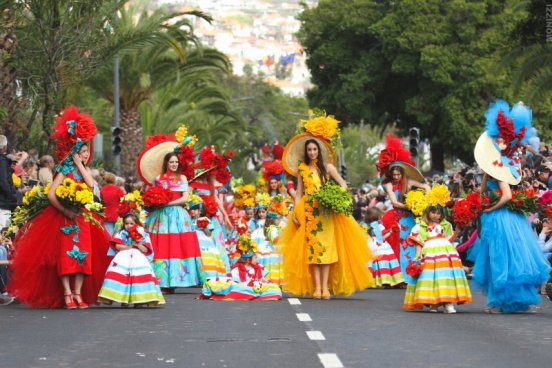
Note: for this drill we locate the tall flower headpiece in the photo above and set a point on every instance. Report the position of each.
(394, 154)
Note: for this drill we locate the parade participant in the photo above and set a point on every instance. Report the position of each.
(130, 278)
(321, 251)
(213, 255)
(399, 175)
(509, 266)
(385, 266)
(247, 281)
(442, 281)
(111, 196)
(177, 255)
(73, 245)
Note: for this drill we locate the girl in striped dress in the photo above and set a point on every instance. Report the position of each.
(442, 281)
(130, 278)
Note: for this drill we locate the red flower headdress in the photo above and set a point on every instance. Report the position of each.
(393, 152)
(277, 151)
(71, 130)
(159, 138)
(272, 169)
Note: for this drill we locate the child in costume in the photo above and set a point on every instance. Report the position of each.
(211, 258)
(130, 278)
(247, 281)
(442, 281)
(384, 266)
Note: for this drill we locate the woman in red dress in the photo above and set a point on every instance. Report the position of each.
(58, 245)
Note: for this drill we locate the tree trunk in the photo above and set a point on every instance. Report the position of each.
(8, 85)
(437, 156)
(132, 140)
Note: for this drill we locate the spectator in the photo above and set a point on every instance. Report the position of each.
(46, 171)
(111, 196)
(543, 176)
(8, 195)
(125, 186)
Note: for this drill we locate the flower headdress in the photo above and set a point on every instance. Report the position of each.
(130, 203)
(277, 151)
(263, 200)
(245, 196)
(322, 128)
(394, 154)
(71, 131)
(194, 201)
(185, 151)
(216, 163)
(272, 170)
(277, 207)
(505, 131)
(247, 246)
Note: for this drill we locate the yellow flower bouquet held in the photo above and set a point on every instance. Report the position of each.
(78, 197)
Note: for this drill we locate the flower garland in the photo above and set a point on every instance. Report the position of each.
(312, 211)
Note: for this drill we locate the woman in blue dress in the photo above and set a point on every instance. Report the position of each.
(509, 266)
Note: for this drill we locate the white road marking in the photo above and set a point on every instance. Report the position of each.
(315, 335)
(330, 361)
(303, 317)
(294, 301)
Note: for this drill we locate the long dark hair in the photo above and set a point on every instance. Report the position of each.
(166, 159)
(319, 162)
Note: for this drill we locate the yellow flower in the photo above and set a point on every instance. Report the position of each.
(193, 141)
(181, 133)
(325, 127)
(439, 195)
(96, 207)
(84, 197)
(195, 198)
(416, 202)
(47, 189)
(16, 180)
(249, 202)
(263, 199)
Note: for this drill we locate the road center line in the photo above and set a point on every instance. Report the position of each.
(294, 301)
(315, 335)
(303, 317)
(330, 360)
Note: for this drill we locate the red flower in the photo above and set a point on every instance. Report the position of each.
(85, 128)
(202, 222)
(156, 196)
(414, 269)
(211, 206)
(242, 228)
(520, 203)
(156, 139)
(134, 234)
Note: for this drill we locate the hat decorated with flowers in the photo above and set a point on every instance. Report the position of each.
(194, 201)
(247, 246)
(277, 207)
(72, 130)
(263, 200)
(394, 154)
(150, 161)
(324, 129)
(506, 129)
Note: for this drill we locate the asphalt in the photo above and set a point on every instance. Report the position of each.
(369, 329)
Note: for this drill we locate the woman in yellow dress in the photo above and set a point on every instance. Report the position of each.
(322, 251)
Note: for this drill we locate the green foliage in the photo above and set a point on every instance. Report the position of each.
(430, 64)
(357, 141)
(333, 197)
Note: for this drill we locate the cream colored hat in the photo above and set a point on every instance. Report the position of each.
(295, 152)
(150, 161)
(488, 158)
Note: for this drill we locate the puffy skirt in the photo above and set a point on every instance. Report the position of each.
(509, 265)
(443, 279)
(348, 274)
(41, 256)
(177, 261)
(385, 266)
(211, 257)
(268, 257)
(225, 289)
(130, 279)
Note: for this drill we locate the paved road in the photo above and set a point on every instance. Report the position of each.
(368, 330)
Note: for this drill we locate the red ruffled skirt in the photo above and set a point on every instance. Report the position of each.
(41, 256)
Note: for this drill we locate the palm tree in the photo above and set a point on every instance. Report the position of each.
(8, 75)
(175, 56)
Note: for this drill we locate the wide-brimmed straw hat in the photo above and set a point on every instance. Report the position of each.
(410, 171)
(489, 160)
(295, 152)
(150, 161)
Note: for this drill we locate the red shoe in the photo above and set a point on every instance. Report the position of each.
(69, 302)
(80, 303)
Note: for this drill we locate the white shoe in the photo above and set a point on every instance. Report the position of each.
(449, 308)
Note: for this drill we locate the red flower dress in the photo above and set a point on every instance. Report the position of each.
(51, 245)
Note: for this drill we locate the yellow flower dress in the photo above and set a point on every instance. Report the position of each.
(323, 238)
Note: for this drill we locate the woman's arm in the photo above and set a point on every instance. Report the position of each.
(417, 184)
(505, 198)
(54, 200)
(391, 194)
(484, 183)
(330, 168)
(298, 195)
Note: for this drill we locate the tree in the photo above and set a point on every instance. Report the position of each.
(175, 55)
(8, 75)
(430, 64)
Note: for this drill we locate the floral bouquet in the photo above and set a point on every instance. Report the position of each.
(156, 196)
(136, 233)
(211, 206)
(334, 197)
(438, 195)
(241, 228)
(34, 201)
(203, 222)
(414, 268)
(523, 201)
(130, 203)
(416, 201)
(468, 210)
